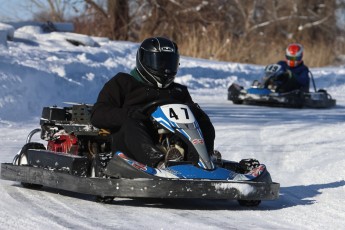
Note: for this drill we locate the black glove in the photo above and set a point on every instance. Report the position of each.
(137, 113)
(285, 76)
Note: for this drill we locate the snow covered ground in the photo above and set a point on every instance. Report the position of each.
(302, 148)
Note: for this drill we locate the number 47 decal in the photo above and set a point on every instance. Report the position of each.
(172, 113)
(179, 113)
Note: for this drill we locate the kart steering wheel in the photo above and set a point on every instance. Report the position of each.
(151, 106)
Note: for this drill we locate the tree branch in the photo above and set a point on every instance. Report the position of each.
(96, 7)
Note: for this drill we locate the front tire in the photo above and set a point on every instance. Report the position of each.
(237, 102)
(105, 199)
(249, 203)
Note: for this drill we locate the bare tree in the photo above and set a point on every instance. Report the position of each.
(113, 19)
(254, 31)
(50, 10)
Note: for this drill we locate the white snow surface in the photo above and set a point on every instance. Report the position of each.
(302, 148)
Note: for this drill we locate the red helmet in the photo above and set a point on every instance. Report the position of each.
(294, 54)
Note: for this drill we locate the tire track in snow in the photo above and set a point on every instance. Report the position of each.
(48, 210)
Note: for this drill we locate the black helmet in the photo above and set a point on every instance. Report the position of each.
(158, 61)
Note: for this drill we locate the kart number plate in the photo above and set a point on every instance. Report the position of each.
(178, 113)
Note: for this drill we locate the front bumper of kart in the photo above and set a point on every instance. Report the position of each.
(142, 187)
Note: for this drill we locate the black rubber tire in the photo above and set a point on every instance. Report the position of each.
(249, 203)
(23, 153)
(105, 199)
(237, 102)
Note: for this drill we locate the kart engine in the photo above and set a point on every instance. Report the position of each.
(64, 143)
(68, 130)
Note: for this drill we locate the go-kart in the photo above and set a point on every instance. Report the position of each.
(266, 93)
(77, 157)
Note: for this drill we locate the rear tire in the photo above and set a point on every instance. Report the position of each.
(22, 159)
(234, 92)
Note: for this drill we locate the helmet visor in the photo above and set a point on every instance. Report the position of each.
(293, 58)
(161, 62)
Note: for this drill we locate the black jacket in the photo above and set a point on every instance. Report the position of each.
(123, 91)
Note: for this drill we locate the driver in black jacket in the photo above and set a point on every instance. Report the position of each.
(120, 102)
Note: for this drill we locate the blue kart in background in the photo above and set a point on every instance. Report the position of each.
(266, 93)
